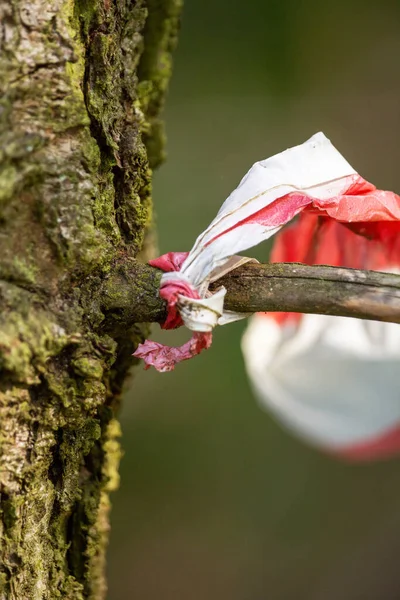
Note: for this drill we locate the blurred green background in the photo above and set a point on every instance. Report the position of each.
(216, 501)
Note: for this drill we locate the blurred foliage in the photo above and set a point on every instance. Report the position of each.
(216, 501)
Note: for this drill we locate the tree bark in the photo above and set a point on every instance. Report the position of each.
(83, 84)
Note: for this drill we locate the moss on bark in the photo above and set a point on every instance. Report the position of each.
(75, 201)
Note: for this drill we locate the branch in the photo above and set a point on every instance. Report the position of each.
(294, 287)
(130, 294)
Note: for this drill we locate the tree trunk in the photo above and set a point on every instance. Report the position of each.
(83, 85)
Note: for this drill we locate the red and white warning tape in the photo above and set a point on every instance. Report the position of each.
(333, 380)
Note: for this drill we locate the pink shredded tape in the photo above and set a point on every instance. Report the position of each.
(161, 357)
(310, 178)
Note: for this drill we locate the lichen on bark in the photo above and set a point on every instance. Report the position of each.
(77, 110)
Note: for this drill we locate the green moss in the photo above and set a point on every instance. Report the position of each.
(3, 582)
(103, 208)
(155, 69)
(19, 270)
(129, 280)
(113, 455)
(75, 111)
(27, 341)
(85, 13)
(88, 367)
(8, 181)
(27, 271)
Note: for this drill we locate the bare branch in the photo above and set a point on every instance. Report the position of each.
(294, 287)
